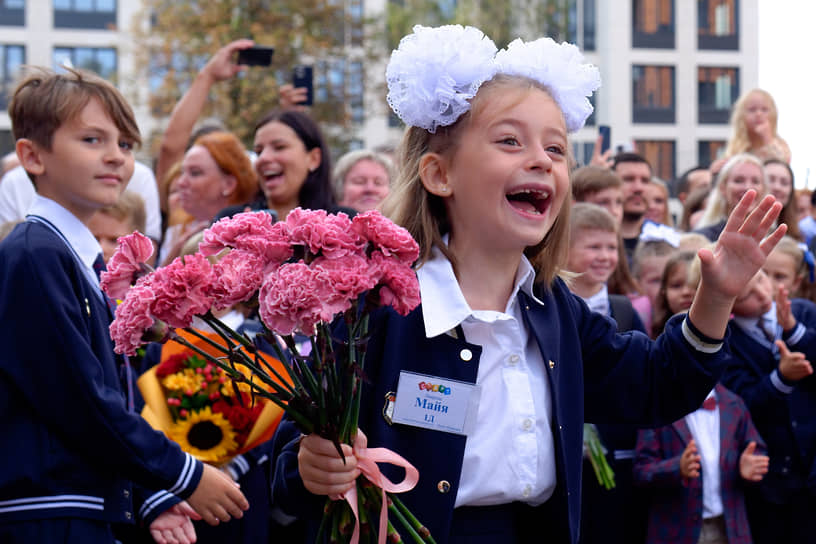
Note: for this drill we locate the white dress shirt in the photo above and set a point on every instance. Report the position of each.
(79, 238)
(509, 455)
(705, 428)
(599, 302)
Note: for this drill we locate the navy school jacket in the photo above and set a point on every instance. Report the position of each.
(784, 418)
(595, 375)
(71, 448)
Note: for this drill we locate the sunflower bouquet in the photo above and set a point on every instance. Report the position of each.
(304, 274)
(194, 402)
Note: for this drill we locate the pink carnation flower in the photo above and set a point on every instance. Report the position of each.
(126, 264)
(133, 318)
(183, 289)
(236, 278)
(386, 236)
(347, 279)
(328, 235)
(250, 231)
(399, 287)
(292, 299)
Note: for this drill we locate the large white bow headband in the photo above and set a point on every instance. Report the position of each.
(435, 72)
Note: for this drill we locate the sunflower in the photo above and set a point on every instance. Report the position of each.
(206, 436)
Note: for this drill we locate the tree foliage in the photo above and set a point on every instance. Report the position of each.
(177, 38)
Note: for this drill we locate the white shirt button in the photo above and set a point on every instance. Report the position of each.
(466, 355)
(513, 359)
(526, 491)
(527, 424)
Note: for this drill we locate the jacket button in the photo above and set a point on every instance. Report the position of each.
(466, 355)
(128, 515)
(126, 493)
(552, 364)
(443, 486)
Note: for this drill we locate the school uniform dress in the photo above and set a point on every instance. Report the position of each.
(531, 481)
(781, 510)
(679, 507)
(72, 447)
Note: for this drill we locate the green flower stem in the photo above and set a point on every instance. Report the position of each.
(393, 510)
(415, 523)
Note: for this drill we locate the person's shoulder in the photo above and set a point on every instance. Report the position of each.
(35, 242)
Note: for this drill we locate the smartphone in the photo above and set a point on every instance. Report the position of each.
(302, 76)
(606, 137)
(257, 55)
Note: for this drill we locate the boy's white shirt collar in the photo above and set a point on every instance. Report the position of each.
(599, 302)
(748, 323)
(77, 234)
(444, 306)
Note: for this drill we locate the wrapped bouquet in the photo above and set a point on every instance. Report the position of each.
(303, 273)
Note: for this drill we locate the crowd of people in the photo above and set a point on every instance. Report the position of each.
(578, 299)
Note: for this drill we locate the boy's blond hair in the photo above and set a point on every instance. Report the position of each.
(789, 246)
(129, 207)
(587, 216)
(424, 215)
(589, 180)
(45, 100)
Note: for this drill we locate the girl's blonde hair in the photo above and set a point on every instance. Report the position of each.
(789, 246)
(740, 141)
(425, 216)
(717, 208)
(646, 249)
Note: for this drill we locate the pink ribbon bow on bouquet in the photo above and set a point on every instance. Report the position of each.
(367, 460)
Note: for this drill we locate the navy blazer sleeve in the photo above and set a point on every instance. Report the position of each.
(59, 367)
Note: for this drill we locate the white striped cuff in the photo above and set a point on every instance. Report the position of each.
(51, 502)
(777, 382)
(696, 341)
(186, 475)
(796, 335)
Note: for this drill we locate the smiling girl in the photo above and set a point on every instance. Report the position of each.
(484, 188)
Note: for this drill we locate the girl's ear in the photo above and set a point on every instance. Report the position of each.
(433, 173)
(29, 154)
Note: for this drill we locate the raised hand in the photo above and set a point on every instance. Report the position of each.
(736, 257)
(174, 526)
(222, 65)
(752, 467)
(784, 315)
(601, 160)
(690, 461)
(322, 470)
(290, 97)
(792, 365)
(743, 246)
(217, 498)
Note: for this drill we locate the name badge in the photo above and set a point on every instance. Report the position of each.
(435, 403)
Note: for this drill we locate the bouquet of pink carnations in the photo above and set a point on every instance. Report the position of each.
(303, 273)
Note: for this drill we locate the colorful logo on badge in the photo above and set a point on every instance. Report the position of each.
(435, 388)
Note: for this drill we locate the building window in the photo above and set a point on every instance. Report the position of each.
(355, 12)
(582, 152)
(588, 16)
(653, 23)
(709, 150)
(12, 57)
(660, 154)
(718, 24)
(356, 89)
(99, 14)
(652, 94)
(6, 142)
(12, 12)
(100, 60)
(717, 90)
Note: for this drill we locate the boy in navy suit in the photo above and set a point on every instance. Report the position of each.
(772, 346)
(78, 450)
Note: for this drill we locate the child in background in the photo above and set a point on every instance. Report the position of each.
(484, 188)
(785, 266)
(616, 514)
(657, 199)
(79, 448)
(695, 471)
(676, 291)
(112, 222)
(772, 345)
(648, 262)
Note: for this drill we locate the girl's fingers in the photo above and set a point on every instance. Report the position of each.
(768, 244)
(737, 217)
